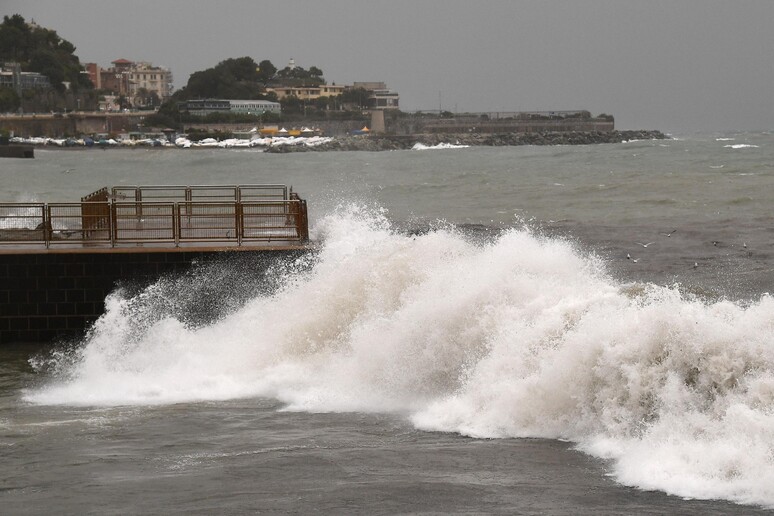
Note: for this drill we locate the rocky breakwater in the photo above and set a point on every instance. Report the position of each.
(389, 142)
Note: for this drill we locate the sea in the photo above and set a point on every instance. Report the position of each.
(477, 330)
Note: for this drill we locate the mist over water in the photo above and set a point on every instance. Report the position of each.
(515, 335)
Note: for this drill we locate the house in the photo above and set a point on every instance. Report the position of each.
(380, 97)
(140, 82)
(307, 92)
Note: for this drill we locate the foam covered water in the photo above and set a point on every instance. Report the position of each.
(521, 336)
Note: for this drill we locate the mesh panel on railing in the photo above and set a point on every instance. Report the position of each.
(269, 221)
(155, 222)
(22, 223)
(83, 221)
(207, 221)
(263, 192)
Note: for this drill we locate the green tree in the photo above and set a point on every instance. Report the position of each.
(241, 69)
(203, 84)
(298, 76)
(231, 79)
(266, 70)
(292, 105)
(46, 62)
(9, 100)
(354, 96)
(14, 38)
(41, 50)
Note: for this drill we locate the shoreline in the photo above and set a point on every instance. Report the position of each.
(370, 142)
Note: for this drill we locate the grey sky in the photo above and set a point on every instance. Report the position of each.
(680, 65)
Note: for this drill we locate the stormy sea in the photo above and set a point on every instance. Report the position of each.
(503, 330)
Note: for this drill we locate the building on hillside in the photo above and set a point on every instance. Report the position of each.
(249, 107)
(307, 92)
(141, 83)
(151, 79)
(384, 99)
(12, 77)
(380, 96)
(93, 71)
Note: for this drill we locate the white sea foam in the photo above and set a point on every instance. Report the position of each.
(741, 146)
(275, 141)
(525, 336)
(421, 146)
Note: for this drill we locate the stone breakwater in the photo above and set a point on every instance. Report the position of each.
(386, 142)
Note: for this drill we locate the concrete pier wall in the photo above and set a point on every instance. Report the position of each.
(73, 124)
(48, 297)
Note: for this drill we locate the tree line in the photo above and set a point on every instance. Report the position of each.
(41, 50)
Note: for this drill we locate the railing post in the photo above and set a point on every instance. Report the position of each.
(176, 225)
(297, 209)
(47, 228)
(240, 221)
(188, 199)
(113, 224)
(303, 223)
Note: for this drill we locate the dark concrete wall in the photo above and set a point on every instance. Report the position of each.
(74, 124)
(50, 297)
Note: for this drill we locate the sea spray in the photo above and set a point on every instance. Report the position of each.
(522, 336)
(680, 394)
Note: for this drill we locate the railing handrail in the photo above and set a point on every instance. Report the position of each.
(187, 192)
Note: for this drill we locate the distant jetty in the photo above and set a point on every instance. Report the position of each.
(377, 142)
(16, 151)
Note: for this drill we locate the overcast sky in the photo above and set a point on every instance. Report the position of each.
(674, 65)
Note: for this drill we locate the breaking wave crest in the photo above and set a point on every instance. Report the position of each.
(520, 336)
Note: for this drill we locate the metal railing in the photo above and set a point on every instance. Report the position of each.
(172, 193)
(241, 215)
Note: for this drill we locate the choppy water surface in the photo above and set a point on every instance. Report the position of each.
(470, 336)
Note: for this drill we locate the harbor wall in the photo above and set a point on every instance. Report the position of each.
(50, 297)
(73, 124)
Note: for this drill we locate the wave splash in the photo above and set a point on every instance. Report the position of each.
(520, 336)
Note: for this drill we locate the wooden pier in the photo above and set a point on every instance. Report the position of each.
(58, 261)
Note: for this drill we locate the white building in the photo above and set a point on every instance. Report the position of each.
(249, 107)
(153, 79)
